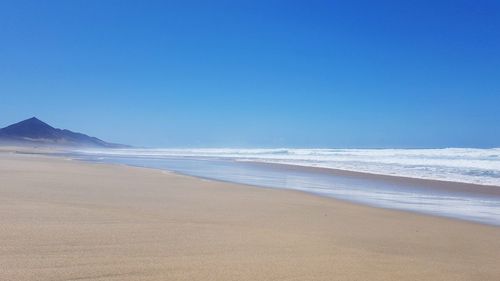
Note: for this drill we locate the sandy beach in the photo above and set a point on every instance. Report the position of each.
(67, 220)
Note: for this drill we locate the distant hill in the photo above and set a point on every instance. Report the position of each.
(34, 132)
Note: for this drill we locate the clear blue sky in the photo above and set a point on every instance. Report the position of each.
(256, 73)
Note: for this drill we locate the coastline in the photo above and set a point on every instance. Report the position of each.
(69, 219)
(466, 188)
(469, 188)
(462, 201)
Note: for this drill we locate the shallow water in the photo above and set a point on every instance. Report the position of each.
(384, 193)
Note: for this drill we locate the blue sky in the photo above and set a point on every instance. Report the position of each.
(256, 73)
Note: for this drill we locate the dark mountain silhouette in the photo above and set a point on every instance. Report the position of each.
(35, 132)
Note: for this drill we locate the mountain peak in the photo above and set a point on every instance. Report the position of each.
(32, 128)
(32, 121)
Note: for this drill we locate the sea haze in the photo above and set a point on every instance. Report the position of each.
(456, 195)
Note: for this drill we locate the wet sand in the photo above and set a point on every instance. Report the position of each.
(68, 220)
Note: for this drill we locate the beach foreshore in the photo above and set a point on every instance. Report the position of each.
(68, 220)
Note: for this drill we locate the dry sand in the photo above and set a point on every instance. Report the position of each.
(67, 220)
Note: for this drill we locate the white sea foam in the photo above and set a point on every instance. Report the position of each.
(469, 165)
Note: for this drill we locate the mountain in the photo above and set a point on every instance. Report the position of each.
(35, 132)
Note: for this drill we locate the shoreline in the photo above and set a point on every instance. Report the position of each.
(404, 183)
(483, 178)
(307, 193)
(431, 184)
(406, 192)
(446, 185)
